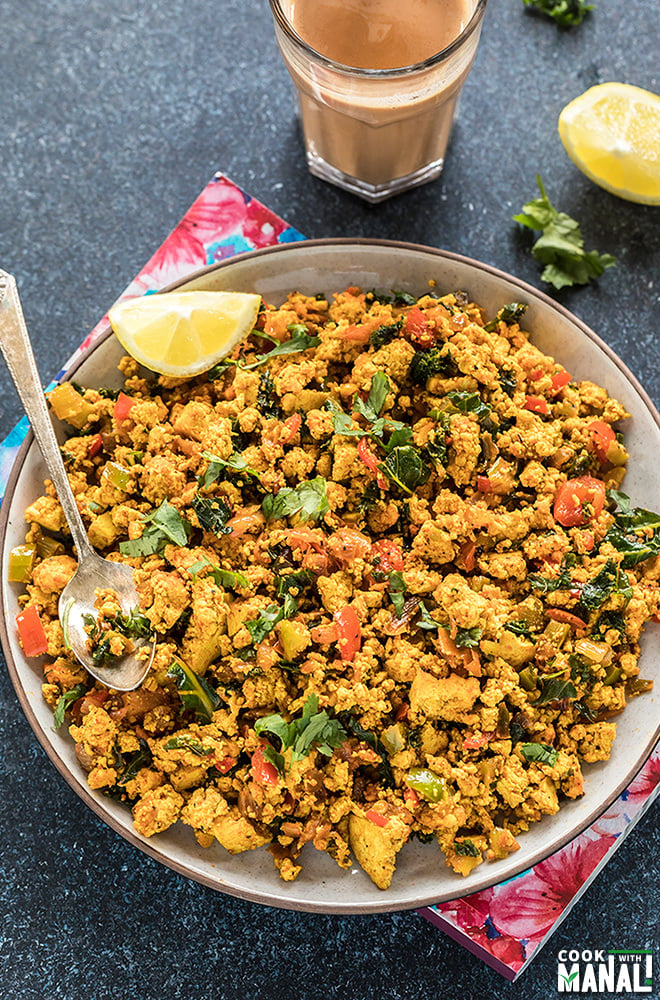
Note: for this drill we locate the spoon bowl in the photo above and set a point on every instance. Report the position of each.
(94, 573)
(75, 606)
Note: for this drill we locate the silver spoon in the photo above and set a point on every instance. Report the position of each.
(77, 598)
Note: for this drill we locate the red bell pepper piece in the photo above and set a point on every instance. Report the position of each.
(559, 380)
(31, 632)
(559, 615)
(350, 632)
(123, 406)
(537, 404)
(375, 817)
(95, 446)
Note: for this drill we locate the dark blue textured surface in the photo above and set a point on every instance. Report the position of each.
(112, 118)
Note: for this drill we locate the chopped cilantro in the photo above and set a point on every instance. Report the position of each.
(560, 247)
(308, 499)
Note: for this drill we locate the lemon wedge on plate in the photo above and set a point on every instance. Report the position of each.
(612, 133)
(183, 333)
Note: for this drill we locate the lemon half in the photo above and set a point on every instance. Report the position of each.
(183, 333)
(612, 133)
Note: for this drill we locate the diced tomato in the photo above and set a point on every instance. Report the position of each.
(376, 817)
(536, 374)
(401, 712)
(291, 428)
(559, 615)
(346, 545)
(467, 554)
(366, 455)
(123, 406)
(579, 501)
(350, 633)
(263, 772)
(411, 797)
(95, 446)
(474, 742)
(419, 329)
(537, 404)
(358, 333)
(224, 764)
(588, 540)
(603, 437)
(484, 485)
(31, 632)
(324, 635)
(386, 557)
(559, 380)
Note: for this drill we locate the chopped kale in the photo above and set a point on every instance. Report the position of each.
(426, 364)
(213, 513)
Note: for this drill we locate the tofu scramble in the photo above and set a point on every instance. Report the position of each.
(396, 588)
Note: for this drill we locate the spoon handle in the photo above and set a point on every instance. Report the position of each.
(17, 350)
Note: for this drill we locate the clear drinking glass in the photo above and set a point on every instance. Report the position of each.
(377, 132)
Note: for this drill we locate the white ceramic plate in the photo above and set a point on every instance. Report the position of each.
(421, 877)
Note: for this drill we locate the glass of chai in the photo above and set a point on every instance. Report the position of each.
(378, 83)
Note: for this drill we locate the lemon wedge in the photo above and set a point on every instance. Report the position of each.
(612, 133)
(183, 333)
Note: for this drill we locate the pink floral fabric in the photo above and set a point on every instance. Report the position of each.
(507, 923)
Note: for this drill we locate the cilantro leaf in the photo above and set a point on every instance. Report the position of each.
(164, 524)
(300, 340)
(309, 499)
(236, 462)
(560, 247)
(468, 638)
(397, 591)
(370, 409)
(189, 743)
(313, 729)
(63, 703)
(566, 13)
(223, 577)
(540, 752)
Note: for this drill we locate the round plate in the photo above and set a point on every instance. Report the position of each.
(422, 876)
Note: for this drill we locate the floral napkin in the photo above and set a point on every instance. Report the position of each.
(506, 924)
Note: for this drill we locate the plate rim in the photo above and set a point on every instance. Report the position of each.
(149, 847)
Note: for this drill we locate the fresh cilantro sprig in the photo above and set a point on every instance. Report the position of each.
(64, 701)
(309, 499)
(226, 578)
(560, 247)
(312, 730)
(566, 13)
(235, 462)
(300, 340)
(162, 526)
(539, 752)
